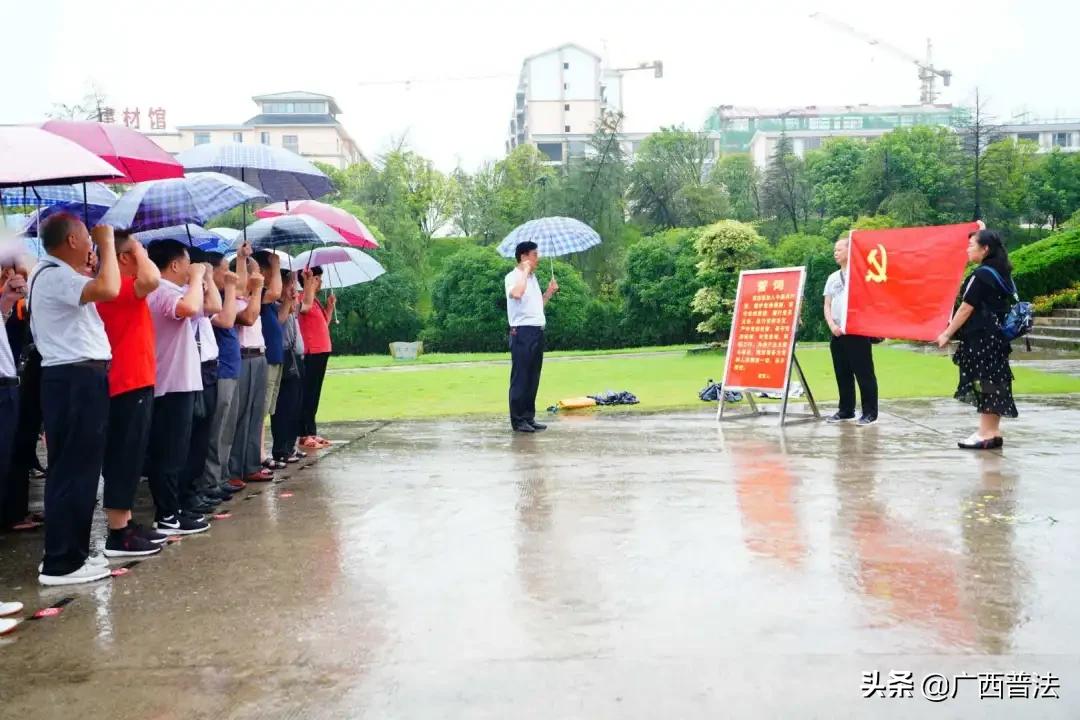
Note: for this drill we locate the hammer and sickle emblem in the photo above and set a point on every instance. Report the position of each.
(878, 268)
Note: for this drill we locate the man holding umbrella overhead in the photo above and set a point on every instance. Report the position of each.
(525, 312)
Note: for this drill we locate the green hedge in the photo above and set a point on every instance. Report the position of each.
(1050, 264)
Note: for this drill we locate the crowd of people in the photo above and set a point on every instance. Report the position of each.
(158, 361)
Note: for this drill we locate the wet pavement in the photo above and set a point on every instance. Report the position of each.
(620, 565)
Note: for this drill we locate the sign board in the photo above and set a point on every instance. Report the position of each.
(763, 325)
(761, 346)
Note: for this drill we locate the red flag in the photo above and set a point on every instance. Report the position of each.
(902, 283)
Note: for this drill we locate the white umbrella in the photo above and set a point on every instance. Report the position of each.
(343, 266)
(288, 262)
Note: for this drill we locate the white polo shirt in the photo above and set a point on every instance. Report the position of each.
(834, 288)
(208, 347)
(65, 330)
(529, 310)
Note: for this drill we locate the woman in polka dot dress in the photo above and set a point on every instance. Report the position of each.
(983, 352)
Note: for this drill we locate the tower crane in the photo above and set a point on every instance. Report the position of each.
(928, 74)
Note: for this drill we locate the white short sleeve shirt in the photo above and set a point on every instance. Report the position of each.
(529, 310)
(65, 330)
(834, 288)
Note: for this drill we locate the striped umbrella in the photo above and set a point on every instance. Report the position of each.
(192, 199)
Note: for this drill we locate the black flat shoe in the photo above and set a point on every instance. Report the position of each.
(537, 426)
(990, 444)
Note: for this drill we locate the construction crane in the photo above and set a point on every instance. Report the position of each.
(928, 74)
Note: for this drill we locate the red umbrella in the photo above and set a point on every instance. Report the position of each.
(136, 156)
(350, 228)
(35, 157)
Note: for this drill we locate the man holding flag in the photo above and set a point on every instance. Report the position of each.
(852, 355)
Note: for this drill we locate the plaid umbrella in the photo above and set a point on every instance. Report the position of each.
(554, 236)
(163, 203)
(91, 215)
(289, 230)
(97, 194)
(280, 174)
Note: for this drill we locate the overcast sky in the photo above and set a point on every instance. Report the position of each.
(202, 60)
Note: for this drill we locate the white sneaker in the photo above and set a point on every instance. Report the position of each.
(87, 573)
(94, 561)
(10, 608)
(7, 625)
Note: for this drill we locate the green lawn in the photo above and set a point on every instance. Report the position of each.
(662, 382)
(348, 362)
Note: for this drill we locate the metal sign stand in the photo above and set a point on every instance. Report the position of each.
(755, 411)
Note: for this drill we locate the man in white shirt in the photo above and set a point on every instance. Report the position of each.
(852, 355)
(525, 313)
(75, 355)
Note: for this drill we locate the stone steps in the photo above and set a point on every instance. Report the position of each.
(1050, 342)
(1057, 321)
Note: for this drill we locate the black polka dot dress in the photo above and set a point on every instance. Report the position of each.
(982, 355)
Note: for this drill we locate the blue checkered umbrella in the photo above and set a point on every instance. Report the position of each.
(91, 215)
(554, 236)
(192, 199)
(289, 230)
(279, 173)
(48, 195)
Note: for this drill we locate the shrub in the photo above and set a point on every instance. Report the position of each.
(815, 254)
(469, 303)
(1067, 298)
(660, 284)
(1050, 264)
(724, 249)
(373, 315)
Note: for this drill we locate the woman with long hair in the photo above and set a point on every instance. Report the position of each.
(982, 354)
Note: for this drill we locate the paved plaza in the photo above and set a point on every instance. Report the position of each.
(619, 565)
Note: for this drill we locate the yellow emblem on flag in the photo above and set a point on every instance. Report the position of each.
(877, 272)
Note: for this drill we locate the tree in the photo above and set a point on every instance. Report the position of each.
(741, 181)
(660, 284)
(723, 249)
(921, 159)
(977, 131)
(667, 187)
(1008, 171)
(832, 172)
(94, 105)
(786, 192)
(469, 303)
(815, 253)
(1057, 186)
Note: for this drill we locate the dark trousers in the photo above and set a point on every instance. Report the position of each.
(170, 439)
(314, 373)
(853, 359)
(526, 362)
(285, 422)
(15, 502)
(191, 482)
(75, 403)
(9, 421)
(126, 440)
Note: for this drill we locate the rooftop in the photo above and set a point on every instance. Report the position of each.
(731, 111)
(290, 119)
(301, 96)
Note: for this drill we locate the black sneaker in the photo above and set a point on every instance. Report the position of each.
(147, 533)
(867, 420)
(197, 506)
(128, 543)
(536, 426)
(180, 525)
(523, 428)
(216, 495)
(197, 517)
(839, 418)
